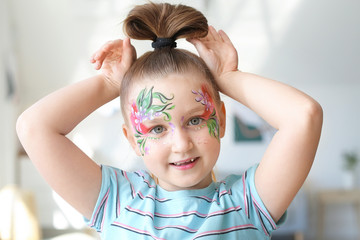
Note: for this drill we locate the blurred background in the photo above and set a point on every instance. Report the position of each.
(311, 45)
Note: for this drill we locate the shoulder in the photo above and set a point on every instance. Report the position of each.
(118, 189)
(240, 181)
(243, 190)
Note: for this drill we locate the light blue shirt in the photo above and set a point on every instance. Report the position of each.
(132, 206)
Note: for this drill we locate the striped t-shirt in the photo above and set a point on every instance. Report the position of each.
(132, 206)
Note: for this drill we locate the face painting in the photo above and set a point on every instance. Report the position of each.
(144, 109)
(209, 114)
(179, 145)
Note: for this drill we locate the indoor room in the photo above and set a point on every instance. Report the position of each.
(310, 45)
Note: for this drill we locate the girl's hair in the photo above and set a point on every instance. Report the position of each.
(163, 20)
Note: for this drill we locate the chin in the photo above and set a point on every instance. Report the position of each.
(193, 184)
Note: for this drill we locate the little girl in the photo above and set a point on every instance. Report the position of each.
(174, 120)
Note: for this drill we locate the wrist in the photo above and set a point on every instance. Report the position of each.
(224, 80)
(110, 87)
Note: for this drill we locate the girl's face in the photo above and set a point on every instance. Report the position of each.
(176, 126)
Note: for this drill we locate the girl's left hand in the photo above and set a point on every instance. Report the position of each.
(218, 52)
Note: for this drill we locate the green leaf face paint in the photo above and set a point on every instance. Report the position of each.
(145, 109)
(209, 114)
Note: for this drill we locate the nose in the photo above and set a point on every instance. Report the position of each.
(181, 141)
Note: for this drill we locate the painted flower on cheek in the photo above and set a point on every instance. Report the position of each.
(144, 109)
(209, 114)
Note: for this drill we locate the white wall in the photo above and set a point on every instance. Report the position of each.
(7, 102)
(317, 52)
(312, 45)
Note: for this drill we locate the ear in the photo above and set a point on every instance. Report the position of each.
(222, 119)
(131, 138)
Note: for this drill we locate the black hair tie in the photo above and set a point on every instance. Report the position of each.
(164, 42)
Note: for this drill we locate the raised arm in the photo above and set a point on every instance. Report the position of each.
(297, 117)
(42, 128)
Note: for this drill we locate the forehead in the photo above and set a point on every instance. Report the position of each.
(178, 85)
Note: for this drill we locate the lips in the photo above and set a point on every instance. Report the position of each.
(185, 164)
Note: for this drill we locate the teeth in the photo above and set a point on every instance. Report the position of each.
(181, 163)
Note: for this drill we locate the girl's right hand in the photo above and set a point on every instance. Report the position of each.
(114, 58)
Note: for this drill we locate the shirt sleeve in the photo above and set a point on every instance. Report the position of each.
(107, 207)
(245, 191)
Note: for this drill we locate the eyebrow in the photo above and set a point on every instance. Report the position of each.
(160, 119)
(197, 109)
(156, 120)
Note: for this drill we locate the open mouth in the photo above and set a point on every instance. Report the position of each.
(186, 163)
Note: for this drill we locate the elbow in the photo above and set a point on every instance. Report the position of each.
(24, 128)
(315, 112)
(313, 115)
(21, 127)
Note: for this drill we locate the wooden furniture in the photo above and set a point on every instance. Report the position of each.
(328, 197)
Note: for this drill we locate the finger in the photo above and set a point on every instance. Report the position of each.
(214, 33)
(104, 48)
(129, 53)
(225, 37)
(134, 54)
(195, 41)
(200, 46)
(111, 45)
(98, 57)
(100, 51)
(96, 65)
(92, 58)
(210, 36)
(111, 49)
(107, 49)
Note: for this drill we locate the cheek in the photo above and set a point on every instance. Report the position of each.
(203, 140)
(155, 147)
(156, 157)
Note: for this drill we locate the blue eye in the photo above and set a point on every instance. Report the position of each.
(195, 121)
(158, 130)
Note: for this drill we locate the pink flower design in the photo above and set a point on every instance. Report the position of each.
(137, 118)
(205, 99)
